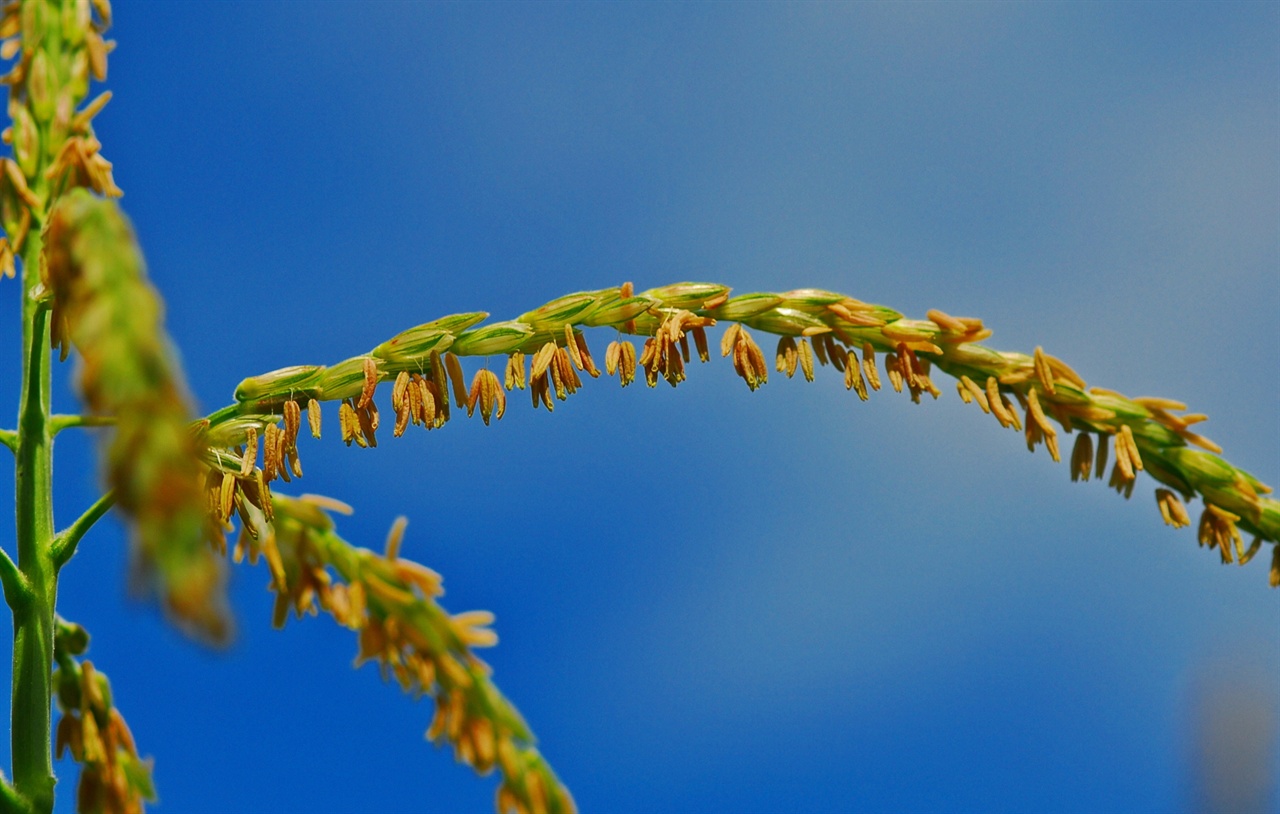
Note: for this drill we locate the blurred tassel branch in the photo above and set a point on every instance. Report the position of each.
(184, 486)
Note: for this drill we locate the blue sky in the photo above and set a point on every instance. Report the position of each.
(710, 599)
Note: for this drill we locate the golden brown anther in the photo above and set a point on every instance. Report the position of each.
(413, 401)
(404, 411)
(540, 392)
(1100, 461)
(19, 183)
(1171, 509)
(1082, 457)
(542, 360)
(1218, 528)
(347, 423)
(270, 450)
(869, 365)
(568, 373)
(835, 352)
(648, 363)
(894, 372)
(1250, 551)
(1123, 470)
(806, 360)
(514, 378)
(367, 418)
(820, 348)
(748, 360)
(370, 382)
(250, 456)
(729, 338)
(282, 456)
(432, 413)
(1043, 372)
(1132, 445)
(611, 357)
(226, 496)
(588, 364)
(787, 357)
(997, 403)
(628, 291)
(399, 391)
(1063, 371)
(294, 464)
(626, 363)
(976, 392)
(440, 381)
(488, 394)
(853, 376)
(454, 367)
(395, 537)
(313, 417)
(556, 371)
(946, 322)
(1036, 414)
(571, 345)
(1274, 580)
(292, 423)
(699, 341)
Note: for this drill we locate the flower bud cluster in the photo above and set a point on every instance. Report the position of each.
(113, 779)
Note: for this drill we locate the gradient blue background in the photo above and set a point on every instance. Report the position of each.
(711, 600)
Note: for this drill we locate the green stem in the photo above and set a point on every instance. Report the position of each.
(58, 423)
(33, 620)
(17, 592)
(10, 439)
(64, 544)
(10, 801)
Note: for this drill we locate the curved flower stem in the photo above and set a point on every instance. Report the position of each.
(64, 544)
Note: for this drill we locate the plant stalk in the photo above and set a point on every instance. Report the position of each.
(33, 621)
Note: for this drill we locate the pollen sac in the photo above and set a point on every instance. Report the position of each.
(369, 366)
(313, 417)
(588, 364)
(1082, 457)
(1172, 510)
(515, 372)
(806, 360)
(748, 360)
(488, 395)
(626, 363)
(787, 356)
(454, 368)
